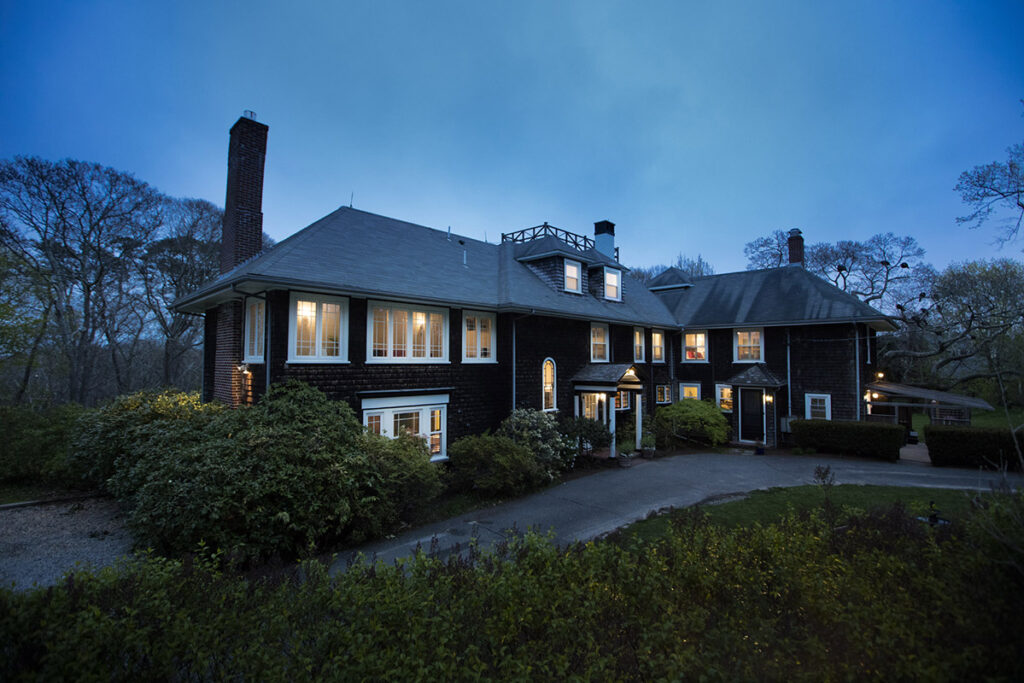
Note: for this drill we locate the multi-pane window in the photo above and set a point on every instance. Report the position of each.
(663, 393)
(398, 333)
(591, 403)
(818, 406)
(598, 343)
(658, 346)
(638, 344)
(622, 400)
(724, 397)
(422, 416)
(478, 337)
(548, 385)
(612, 284)
(255, 310)
(695, 346)
(318, 329)
(749, 346)
(573, 276)
(689, 391)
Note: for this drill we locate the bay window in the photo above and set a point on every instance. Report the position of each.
(402, 333)
(317, 329)
(422, 416)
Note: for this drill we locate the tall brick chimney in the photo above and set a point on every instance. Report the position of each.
(604, 238)
(242, 235)
(796, 247)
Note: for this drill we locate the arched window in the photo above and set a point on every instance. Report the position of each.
(548, 383)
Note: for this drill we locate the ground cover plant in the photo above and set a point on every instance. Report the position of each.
(882, 597)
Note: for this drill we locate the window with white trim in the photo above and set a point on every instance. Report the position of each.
(598, 343)
(547, 398)
(748, 345)
(657, 346)
(723, 396)
(422, 416)
(638, 344)
(818, 406)
(573, 276)
(478, 338)
(622, 400)
(612, 284)
(695, 347)
(255, 330)
(663, 393)
(688, 390)
(402, 333)
(317, 328)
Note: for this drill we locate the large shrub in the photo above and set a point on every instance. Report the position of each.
(688, 421)
(108, 439)
(863, 439)
(584, 434)
(538, 432)
(984, 447)
(36, 443)
(493, 465)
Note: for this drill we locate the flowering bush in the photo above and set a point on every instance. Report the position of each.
(538, 432)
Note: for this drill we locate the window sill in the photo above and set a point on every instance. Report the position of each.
(478, 361)
(598, 361)
(253, 361)
(316, 361)
(439, 458)
(748, 361)
(697, 362)
(407, 361)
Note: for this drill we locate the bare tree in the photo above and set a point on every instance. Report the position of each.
(767, 252)
(692, 268)
(995, 188)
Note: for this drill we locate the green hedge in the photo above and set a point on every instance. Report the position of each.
(984, 447)
(35, 444)
(863, 439)
(688, 421)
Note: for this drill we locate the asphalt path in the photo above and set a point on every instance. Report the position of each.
(588, 507)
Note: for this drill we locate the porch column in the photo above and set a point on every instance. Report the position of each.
(611, 425)
(639, 418)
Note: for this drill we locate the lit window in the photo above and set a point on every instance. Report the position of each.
(478, 337)
(638, 344)
(398, 333)
(664, 393)
(658, 346)
(695, 347)
(422, 416)
(818, 406)
(612, 284)
(318, 329)
(593, 406)
(724, 397)
(689, 391)
(598, 343)
(622, 400)
(255, 330)
(548, 382)
(572, 276)
(748, 345)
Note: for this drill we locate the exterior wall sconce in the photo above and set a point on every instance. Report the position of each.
(880, 375)
(874, 395)
(769, 398)
(243, 368)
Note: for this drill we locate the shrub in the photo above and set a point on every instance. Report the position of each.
(538, 432)
(985, 447)
(107, 439)
(863, 439)
(586, 434)
(36, 443)
(493, 465)
(690, 420)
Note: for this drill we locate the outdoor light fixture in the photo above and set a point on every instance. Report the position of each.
(768, 398)
(880, 375)
(874, 395)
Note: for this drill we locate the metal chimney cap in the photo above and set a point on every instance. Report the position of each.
(249, 114)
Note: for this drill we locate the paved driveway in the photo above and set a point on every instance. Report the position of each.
(585, 508)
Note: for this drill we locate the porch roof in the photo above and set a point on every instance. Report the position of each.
(757, 375)
(927, 397)
(609, 374)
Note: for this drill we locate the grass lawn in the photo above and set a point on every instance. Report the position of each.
(979, 418)
(769, 506)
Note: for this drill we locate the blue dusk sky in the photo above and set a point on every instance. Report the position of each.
(694, 126)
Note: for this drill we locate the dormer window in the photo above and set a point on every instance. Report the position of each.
(612, 284)
(572, 276)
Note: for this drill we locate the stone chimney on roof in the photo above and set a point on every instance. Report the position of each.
(796, 247)
(242, 233)
(604, 238)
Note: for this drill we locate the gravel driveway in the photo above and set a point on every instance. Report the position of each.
(39, 543)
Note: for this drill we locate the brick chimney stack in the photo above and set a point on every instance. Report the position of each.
(242, 235)
(796, 247)
(604, 238)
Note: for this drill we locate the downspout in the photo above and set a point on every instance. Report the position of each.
(856, 367)
(514, 367)
(789, 379)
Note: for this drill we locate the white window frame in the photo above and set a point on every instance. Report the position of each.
(622, 400)
(663, 393)
(642, 346)
(494, 337)
(683, 386)
(828, 405)
(385, 408)
(736, 344)
(579, 276)
(705, 346)
(554, 386)
(657, 346)
(319, 300)
(254, 331)
(607, 343)
(618, 283)
(408, 359)
(718, 397)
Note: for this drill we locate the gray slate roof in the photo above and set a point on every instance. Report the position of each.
(549, 245)
(775, 296)
(606, 373)
(359, 253)
(929, 395)
(757, 375)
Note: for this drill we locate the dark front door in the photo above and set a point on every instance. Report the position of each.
(752, 415)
